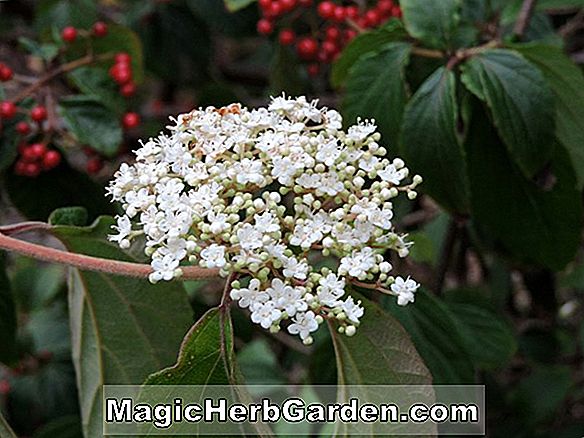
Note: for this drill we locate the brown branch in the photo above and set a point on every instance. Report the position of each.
(62, 69)
(525, 14)
(89, 263)
(427, 53)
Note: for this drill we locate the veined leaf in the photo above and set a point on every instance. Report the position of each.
(520, 101)
(123, 329)
(430, 143)
(434, 23)
(363, 44)
(376, 89)
(567, 83)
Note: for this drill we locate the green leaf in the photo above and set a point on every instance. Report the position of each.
(380, 353)
(433, 23)
(96, 84)
(376, 89)
(259, 364)
(534, 224)
(477, 319)
(65, 427)
(236, 5)
(364, 43)
(92, 123)
(435, 333)
(35, 285)
(36, 198)
(8, 352)
(61, 13)
(202, 359)
(123, 328)
(219, 19)
(567, 83)
(381, 337)
(76, 216)
(5, 430)
(47, 52)
(430, 143)
(520, 101)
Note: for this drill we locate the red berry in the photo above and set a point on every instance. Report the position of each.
(313, 69)
(34, 152)
(350, 34)
(288, 5)
(372, 17)
(121, 73)
(329, 48)
(385, 6)
(307, 48)
(265, 27)
(38, 113)
(352, 12)
(275, 9)
(6, 73)
(332, 33)
(4, 387)
(19, 167)
(287, 37)
(99, 29)
(305, 3)
(326, 9)
(69, 34)
(31, 169)
(122, 58)
(22, 128)
(7, 109)
(128, 90)
(339, 14)
(51, 159)
(94, 165)
(130, 120)
(396, 11)
(265, 4)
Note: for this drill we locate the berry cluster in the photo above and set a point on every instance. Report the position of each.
(338, 24)
(35, 156)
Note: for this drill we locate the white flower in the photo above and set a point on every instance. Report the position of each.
(303, 324)
(405, 290)
(265, 314)
(251, 295)
(353, 310)
(164, 268)
(293, 268)
(214, 256)
(358, 263)
(331, 289)
(393, 175)
(124, 229)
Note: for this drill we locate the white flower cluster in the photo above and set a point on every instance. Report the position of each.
(266, 195)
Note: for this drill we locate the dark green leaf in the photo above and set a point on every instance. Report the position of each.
(376, 89)
(202, 359)
(477, 319)
(5, 430)
(219, 19)
(567, 83)
(236, 5)
(8, 353)
(96, 84)
(61, 13)
(285, 74)
(433, 23)
(532, 227)
(520, 101)
(92, 124)
(65, 427)
(76, 216)
(365, 43)
(259, 364)
(36, 198)
(435, 333)
(123, 328)
(8, 144)
(382, 337)
(47, 52)
(430, 143)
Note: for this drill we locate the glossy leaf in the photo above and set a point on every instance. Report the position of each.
(430, 142)
(567, 83)
(236, 5)
(520, 102)
(433, 23)
(92, 124)
(76, 216)
(61, 13)
(96, 84)
(8, 352)
(540, 224)
(368, 42)
(376, 89)
(123, 328)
